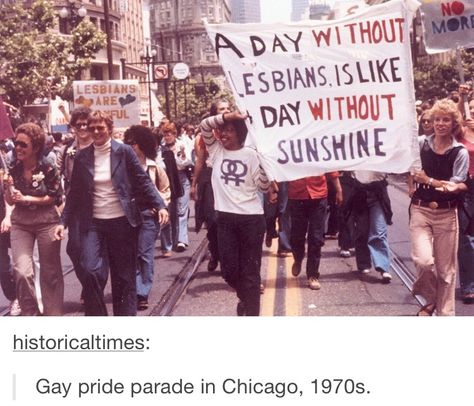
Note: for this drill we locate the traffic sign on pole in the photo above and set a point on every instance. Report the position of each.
(160, 72)
(181, 71)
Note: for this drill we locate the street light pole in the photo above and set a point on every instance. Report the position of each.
(74, 13)
(163, 58)
(148, 57)
(110, 65)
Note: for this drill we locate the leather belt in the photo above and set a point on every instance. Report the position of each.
(435, 205)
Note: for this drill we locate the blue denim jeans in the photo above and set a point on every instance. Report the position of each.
(146, 254)
(119, 239)
(177, 230)
(280, 212)
(165, 234)
(371, 240)
(182, 211)
(465, 255)
(307, 217)
(73, 250)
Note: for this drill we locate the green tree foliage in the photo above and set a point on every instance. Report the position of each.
(192, 98)
(35, 60)
(436, 82)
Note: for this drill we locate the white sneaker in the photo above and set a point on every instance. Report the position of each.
(345, 253)
(15, 309)
(365, 271)
(386, 277)
(180, 247)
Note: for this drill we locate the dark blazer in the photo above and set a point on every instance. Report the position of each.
(128, 178)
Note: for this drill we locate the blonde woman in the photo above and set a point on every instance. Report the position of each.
(433, 210)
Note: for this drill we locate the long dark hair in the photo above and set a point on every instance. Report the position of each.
(144, 138)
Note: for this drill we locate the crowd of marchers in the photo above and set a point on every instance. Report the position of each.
(119, 194)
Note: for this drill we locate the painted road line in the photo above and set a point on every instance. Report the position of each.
(267, 303)
(292, 291)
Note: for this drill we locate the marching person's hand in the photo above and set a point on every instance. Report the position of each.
(163, 217)
(464, 89)
(421, 177)
(272, 196)
(7, 181)
(19, 197)
(451, 187)
(6, 225)
(469, 123)
(59, 232)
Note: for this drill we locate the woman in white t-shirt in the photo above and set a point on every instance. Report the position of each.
(236, 178)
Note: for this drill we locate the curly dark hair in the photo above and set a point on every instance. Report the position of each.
(36, 134)
(143, 137)
(79, 113)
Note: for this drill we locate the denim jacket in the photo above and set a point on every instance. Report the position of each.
(128, 178)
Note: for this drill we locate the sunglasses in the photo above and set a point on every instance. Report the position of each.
(20, 144)
(99, 128)
(80, 125)
(426, 121)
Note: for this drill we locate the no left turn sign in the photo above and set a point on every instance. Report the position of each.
(161, 72)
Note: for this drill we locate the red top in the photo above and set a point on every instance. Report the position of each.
(312, 187)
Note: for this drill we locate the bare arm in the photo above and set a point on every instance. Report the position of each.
(198, 166)
(337, 185)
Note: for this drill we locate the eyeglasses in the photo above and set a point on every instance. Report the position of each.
(99, 128)
(80, 125)
(20, 144)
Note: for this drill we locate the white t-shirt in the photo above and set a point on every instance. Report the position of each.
(369, 176)
(236, 175)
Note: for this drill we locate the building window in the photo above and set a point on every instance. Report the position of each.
(96, 72)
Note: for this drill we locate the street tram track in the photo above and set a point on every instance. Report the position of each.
(404, 274)
(178, 287)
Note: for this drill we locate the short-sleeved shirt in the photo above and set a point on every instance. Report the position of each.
(45, 181)
(461, 163)
(311, 187)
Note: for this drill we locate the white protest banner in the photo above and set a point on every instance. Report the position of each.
(326, 95)
(119, 98)
(447, 24)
